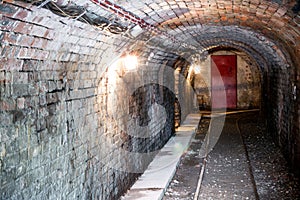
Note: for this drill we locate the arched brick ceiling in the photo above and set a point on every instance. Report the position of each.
(260, 28)
(257, 46)
(264, 29)
(268, 17)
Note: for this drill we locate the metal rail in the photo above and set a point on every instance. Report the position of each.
(201, 174)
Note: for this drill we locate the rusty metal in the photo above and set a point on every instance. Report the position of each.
(121, 12)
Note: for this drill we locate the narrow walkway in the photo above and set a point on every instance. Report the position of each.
(153, 182)
(244, 164)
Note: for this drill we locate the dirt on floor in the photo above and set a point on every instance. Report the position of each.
(183, 184)
(261, 161)
(270, 169)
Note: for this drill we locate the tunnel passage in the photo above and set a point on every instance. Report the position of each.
(246, 87)
(62, 100)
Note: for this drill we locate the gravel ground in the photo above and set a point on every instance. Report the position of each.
(183, 184)
(227, 174)
(233, 172)
(270, 170)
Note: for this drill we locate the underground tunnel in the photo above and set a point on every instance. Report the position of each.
(91, 90)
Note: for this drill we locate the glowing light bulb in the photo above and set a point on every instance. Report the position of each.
(197, 69)
(130, 62)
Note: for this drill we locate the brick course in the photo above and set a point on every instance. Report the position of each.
(57, 95)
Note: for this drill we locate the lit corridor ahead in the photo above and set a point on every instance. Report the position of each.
(94, 92)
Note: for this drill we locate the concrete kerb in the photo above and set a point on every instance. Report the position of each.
(153, 183)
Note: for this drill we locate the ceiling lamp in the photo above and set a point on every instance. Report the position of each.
(130, 62)
(197, 69)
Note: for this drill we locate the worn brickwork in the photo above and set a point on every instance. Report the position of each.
(281, 112)
(66, 115)
(48, 75)
(296, 123)
(184, 87)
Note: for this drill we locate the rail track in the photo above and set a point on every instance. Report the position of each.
(231, 170)
(221, 189)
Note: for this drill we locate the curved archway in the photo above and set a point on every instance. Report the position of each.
(57, 97)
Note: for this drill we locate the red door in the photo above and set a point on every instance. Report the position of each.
(223, 81)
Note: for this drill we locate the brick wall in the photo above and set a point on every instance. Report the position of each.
(184, 87)
(296, 125)
(65, 123)
(282, 108)
(68, 123)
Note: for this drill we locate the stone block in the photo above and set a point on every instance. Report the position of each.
(7, 104)
(8, 10)
(11, 64)
(21, 103)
